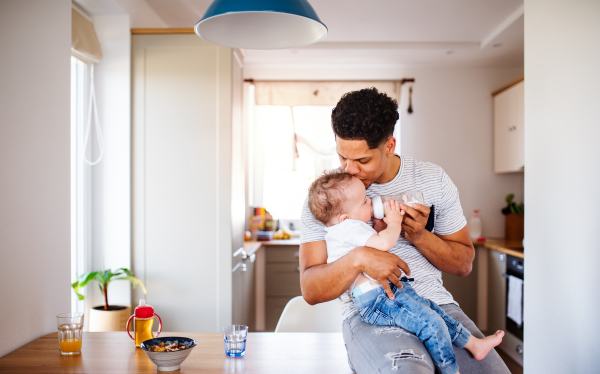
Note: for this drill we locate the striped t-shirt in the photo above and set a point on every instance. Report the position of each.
(439, 192)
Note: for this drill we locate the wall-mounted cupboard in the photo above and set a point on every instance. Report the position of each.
(509, 120)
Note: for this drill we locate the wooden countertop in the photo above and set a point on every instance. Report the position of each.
(114, 352)
(252, 246)
(509, 247)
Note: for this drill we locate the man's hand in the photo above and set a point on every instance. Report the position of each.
(382, 266)
(414, 222)
(452, 253)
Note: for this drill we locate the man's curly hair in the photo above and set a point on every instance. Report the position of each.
(367, 115)
(326, 197)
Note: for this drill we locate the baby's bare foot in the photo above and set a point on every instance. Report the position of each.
(479, 348)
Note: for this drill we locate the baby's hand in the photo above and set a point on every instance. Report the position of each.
(393, 212)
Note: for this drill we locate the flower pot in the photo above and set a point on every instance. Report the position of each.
(114, 319)
(514, 229)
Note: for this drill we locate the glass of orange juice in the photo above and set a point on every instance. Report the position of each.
(70, 327)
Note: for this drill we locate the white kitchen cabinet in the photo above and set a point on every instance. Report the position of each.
(282, 281)
(182, 178)
(509, 120)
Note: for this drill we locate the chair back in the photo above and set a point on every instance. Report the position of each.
(299, 316)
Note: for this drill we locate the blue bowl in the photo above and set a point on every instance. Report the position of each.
(168, 361)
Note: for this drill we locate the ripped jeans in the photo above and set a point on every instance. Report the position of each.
(394, 350)
(422, 317)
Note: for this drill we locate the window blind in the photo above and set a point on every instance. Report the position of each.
(300, 93)
(84, 41)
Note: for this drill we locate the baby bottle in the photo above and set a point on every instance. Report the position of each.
(143, 319)
(408, 198)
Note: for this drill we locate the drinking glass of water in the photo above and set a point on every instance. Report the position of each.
(235, 340)
(70, 326)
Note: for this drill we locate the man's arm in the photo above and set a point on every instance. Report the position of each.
(452, 253)
(321, 282)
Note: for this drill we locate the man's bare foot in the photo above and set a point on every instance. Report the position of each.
(479, 348)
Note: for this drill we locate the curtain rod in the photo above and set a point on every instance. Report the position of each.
(402, 81)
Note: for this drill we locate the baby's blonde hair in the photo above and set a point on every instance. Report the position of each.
(326, 197)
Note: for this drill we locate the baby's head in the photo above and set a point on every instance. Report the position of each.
(336, 196)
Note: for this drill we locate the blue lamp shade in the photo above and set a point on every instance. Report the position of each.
(261, 24)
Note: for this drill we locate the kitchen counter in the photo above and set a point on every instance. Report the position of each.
(509, 247)
(252, 246)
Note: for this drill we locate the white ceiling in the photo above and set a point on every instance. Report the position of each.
(373, 32)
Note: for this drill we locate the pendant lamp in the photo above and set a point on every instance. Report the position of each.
(261, 24)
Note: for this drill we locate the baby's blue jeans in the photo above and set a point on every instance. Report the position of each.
(423, 317)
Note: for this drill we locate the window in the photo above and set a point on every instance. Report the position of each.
(296, 144)
(80, 178)
(291, 141)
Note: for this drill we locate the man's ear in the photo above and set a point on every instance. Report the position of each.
(390, 146)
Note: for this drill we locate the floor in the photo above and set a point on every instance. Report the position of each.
(512, 365)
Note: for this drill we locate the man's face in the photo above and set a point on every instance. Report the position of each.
(358, 160)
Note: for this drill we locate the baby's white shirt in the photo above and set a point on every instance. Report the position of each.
(345, 236)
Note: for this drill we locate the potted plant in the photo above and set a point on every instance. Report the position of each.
(107, 317)
(515, 219)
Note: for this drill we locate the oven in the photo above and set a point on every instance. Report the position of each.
(514, 267)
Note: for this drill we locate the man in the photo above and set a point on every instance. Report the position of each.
(435, 239)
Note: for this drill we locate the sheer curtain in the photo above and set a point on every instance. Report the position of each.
(296, 149)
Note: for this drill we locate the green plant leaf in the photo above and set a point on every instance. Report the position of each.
(510, 197)
(103, 278)
(87, 277)
(83, 280)
(127, 271)
(108, 274)
(76, 287)
(100, 278)
(134, 282)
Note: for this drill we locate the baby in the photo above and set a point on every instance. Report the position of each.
(339, 201)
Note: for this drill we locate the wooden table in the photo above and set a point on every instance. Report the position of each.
(114, 352)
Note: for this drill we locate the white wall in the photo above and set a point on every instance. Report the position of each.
(562, 132)
(451, 126)
(35, 241)
(111, 178)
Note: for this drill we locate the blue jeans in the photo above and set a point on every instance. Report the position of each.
(422, 317)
